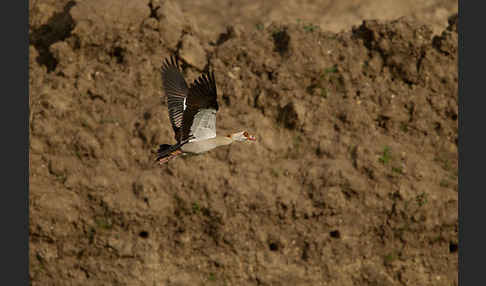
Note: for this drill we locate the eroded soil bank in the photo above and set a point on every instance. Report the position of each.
(353, 180)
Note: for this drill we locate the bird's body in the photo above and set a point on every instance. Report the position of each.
(199, 147)
(192, 113)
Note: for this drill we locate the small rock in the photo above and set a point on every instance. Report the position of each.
(171, 22)
(33, 54)
(450, 147)
(101, 181)
(151, 23)
(62, 52)
(292, 115)
(36, 145)
(192, 52)
(57, 167)
(59, 101)
(124, 247)
(87, 144)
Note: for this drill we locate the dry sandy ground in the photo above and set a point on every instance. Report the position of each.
(212, 16)
(353, 180)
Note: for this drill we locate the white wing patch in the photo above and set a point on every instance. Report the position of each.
(204, 125)
(184, 103)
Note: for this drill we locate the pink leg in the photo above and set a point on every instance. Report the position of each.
(170, 157)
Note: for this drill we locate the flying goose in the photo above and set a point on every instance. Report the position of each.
(192, 113)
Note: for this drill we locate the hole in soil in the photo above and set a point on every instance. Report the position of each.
(226, 100)
(143, 234)
(335, 234)
(270, 75)
(281, 41)
(118, 54)
(305, 251)
(288, 116)
(437, 127)
(273, 246)
(153, 11)
(57, 29)
(453, 247)
(147, 115)
(223, 37)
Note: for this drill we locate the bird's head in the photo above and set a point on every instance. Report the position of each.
(242, 136)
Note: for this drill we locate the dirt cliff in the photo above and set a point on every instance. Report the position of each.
(353, 180)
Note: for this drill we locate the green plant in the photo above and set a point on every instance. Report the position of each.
(446, 165)
(404, 127)
(397, 170)
(444, 183)
(389, 258)
(103, 223)
(259, 26)
(109, 121)
(195, 207)
(386, 156)
(332, 69)
(437, 238)
(275, 172)
(276, 31)
(310, 27)
(62, 178)
(422, 199)
(212, 277)
(323, 92)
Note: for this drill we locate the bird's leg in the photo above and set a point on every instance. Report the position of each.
(170, 157)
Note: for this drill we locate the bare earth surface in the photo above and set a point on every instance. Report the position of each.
(353, 180)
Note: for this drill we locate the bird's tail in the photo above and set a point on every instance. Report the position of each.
(167, 151)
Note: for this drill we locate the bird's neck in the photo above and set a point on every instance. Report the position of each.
(224, 140)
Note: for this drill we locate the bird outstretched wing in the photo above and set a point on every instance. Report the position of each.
(176, 90)
(199, 118)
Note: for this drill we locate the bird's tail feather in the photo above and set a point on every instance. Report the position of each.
(164, 151)
(167, 152)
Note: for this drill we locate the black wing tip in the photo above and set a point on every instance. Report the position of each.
(164, 151)
(205, 85)
(171, 61)
(207, 80)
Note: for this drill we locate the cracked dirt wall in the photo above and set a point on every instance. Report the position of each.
(353, 180)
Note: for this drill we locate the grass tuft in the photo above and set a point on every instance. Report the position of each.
(386, 156)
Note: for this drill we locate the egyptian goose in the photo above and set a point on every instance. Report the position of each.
(192, 113)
